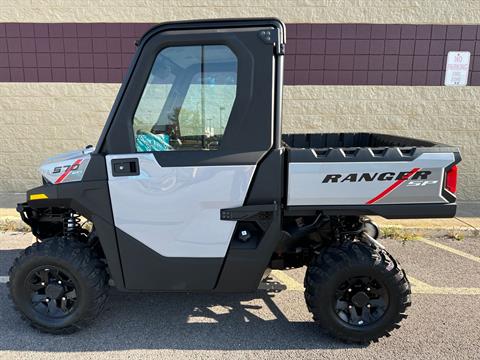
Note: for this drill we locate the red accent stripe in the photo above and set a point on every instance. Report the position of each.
(65, 174)
(392, 187)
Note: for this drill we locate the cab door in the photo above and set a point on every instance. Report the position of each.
(191, 123)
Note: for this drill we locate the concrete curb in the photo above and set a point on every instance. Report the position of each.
(8, 212)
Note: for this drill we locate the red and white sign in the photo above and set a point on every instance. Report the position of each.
(458, 63)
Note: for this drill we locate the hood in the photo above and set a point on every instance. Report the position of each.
(66, 167)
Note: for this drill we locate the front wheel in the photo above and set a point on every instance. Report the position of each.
(356, 292)
(58, 286)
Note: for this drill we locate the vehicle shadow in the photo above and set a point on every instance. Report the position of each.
(179, 321)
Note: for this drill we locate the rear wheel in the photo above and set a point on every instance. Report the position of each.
(58, 286)
(356, 292)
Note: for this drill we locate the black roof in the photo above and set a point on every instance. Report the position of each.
(214, 23)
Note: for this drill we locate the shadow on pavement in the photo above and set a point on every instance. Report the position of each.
(173, 321)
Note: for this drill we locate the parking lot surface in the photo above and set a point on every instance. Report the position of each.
(443, 322)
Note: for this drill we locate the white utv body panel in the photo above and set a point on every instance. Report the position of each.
(175, 211)
(308, 183)
(66, 167)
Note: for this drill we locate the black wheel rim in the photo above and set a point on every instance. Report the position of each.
(52, 290)
(361, 301)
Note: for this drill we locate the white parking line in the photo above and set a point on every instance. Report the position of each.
(420, 287)
(290, 284)
(288, 281)
(450, 249)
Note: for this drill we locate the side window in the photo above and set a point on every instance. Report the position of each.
(187, 100)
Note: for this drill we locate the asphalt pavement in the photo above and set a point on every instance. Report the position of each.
(443, 322)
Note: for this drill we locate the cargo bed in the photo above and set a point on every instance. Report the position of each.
(369, 173)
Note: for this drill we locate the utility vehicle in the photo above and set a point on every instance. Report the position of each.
(192, 187)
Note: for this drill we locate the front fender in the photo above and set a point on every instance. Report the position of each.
(90, 199)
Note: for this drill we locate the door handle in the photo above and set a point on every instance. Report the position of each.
(125, 167)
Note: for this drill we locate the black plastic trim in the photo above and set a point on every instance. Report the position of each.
(146, 270)
(388, 211)
(244, 265)
(348, 147)
(206, 158)
(267, 185)
(96, 169)
(125, 167)
(349, 140)
(248, 213)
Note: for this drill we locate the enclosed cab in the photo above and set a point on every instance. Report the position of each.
(193, 187)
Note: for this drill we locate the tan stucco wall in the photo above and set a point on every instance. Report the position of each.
(324, 11)
(443, 114)
(39, 120)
